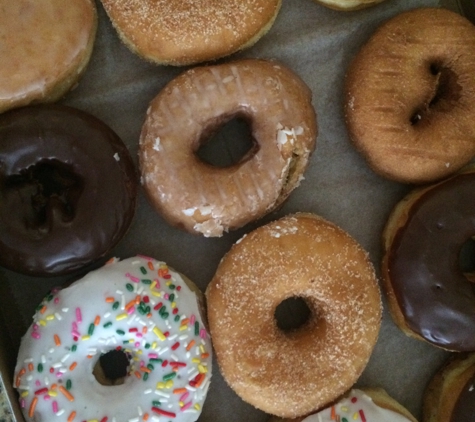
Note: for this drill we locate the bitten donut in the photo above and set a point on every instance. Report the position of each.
(45, 47)
(176, 32)
(290, 373)
(450, 395)
(347, 5)
(410, 96)
(210, 200)
(429, 296)
(68, 189)
(137, 313)
(368, 405)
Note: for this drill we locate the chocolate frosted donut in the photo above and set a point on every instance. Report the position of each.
(67, 189)
(430, 297)
(450, 395)
(410, 96)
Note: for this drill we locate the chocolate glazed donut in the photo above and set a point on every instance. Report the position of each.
(67, 190)
(430, 297)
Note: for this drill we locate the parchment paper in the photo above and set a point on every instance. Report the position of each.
(318, 44)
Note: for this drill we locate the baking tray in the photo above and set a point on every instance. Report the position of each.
(318, 44)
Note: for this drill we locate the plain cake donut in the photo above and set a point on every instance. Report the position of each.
(210, 200)
(45, 47)
(68, 189)
(410, 96)
(429, 295)
(137, 309)
(292, 373)
(177, 32)
(449, 396)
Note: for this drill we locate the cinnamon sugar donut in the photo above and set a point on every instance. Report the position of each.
(292, 373)
(210, 200)
(44, 48)
(450, 394)
(178, 32)
(410, 96)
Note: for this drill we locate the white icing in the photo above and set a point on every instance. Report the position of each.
(47, 360)
(358, 407)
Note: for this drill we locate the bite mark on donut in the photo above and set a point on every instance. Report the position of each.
(48, 192)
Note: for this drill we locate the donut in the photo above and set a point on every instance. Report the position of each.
(366, 404)
(209, 200)
(449, 395)
(139, 309)
(45, 48)
(68, 189)
(410, 96)
(348, 5)
(175, 32)
(289, 373)
(429, 296)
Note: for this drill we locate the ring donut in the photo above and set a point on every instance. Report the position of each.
(429, 296)
(298, 256)
(410, 96)
(347, 5)
(176, 32)
(137, 313)
(367, 404)
(449, 394)
(45, 48)
(68, 189)
(210, 200)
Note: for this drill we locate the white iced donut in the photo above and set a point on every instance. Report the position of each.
(137, 308)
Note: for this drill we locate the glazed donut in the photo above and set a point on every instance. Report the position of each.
(429, 296)
(410, 96)
(210, 200)
(137, 308)
(449, 395)
(174, 32)
(45, 48)
(290, 373)
(67, 189)
(348, 5)
(369, 405)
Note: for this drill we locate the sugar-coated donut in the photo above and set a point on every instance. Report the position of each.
(210, 200)
(45, 47)
(176, 32)
(430, 298)
(366, 404)
(292, 373)
(348, 5)
(410, 96)
(450, 395)
(138, 308)
(68, 189)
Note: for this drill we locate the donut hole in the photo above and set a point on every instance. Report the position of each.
(227, 141)
(44, 191)
(467, 259)
(444, 93)
(112, 368)
(292, 314)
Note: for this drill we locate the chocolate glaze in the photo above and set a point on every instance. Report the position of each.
(437, 300)
(464, 409)
(67, 190)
